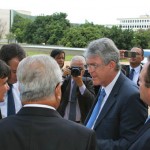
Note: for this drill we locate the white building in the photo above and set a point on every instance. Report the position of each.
(6, 19)
(143, 22)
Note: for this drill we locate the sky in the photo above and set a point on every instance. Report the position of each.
(79, 11)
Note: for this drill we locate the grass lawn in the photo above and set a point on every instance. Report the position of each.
(30, 53)
(68, 57)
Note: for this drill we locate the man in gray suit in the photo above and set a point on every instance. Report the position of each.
(38, 126)
(121, 112)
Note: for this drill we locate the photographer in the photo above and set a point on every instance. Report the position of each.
(132, 71)
(77, 92)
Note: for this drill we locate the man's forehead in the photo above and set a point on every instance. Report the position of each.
(136, 50)
(93, 58)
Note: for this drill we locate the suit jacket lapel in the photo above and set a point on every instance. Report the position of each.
(68, 89)
(111, 99)
(143, 129)
(91, 110)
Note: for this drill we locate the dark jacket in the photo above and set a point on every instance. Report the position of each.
(85, 101)
(121, 117)
(35, 128)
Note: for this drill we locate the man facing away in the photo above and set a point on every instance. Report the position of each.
(142, 139)
(38, 125)
(11, 54)
(118, 113)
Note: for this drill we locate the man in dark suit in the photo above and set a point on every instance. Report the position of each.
(84, 92)
(135, 65)
(38, 126)
(142, 139)
(4, 74)
(118, 111)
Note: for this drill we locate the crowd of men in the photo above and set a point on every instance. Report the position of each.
(46, 105)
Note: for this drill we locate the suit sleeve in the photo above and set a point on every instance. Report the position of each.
(91, 143)
(89, 94)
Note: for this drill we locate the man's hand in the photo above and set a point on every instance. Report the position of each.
(66, 71)
(78, 80)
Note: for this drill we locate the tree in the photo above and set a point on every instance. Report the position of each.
(2, 28)
(141, 38)
(19, 26)
(122, 38)
(47, 29)
(81, 35)
(11, 37)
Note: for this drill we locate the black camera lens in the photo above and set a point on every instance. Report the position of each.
(75, 71)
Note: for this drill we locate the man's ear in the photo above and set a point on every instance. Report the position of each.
(112, 64)
(58, 92)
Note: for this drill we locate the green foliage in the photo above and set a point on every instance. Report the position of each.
(11, 37)
(36, 52)
(79, 36)
(47, 29)
(122, 38)
(19, 26)
(142, 38)
(55, 29)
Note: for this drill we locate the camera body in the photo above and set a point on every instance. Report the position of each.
(75, 71)
(130, 54)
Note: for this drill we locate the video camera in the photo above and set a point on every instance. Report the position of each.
(75, 71)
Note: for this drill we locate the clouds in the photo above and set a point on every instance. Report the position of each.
(96, 11)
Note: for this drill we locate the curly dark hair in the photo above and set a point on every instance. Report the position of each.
(9, 51)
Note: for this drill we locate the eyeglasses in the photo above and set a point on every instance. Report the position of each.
(94, 66)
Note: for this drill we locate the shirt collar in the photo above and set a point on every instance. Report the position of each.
(137, 69)
(110, 86)
(39, 105)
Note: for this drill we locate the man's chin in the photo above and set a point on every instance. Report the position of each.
(96, 83)
(1, 100)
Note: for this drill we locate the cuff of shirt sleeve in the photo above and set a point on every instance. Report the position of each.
(82, 89)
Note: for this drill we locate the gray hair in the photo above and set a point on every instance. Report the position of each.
(106, 49)
(38, 77)
(78, 58)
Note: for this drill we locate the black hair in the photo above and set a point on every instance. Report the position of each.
(4, 70)
(9, 51)
(56, 52)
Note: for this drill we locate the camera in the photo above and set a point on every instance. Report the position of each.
(75, 71)
(130, 54)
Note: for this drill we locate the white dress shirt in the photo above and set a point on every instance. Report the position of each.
(136, 74)
(39, 105)
(108, 90)
(17, 101)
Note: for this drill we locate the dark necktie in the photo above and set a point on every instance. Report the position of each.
(73, 100)
(96, 109)
(131, 74)
(10, 102)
